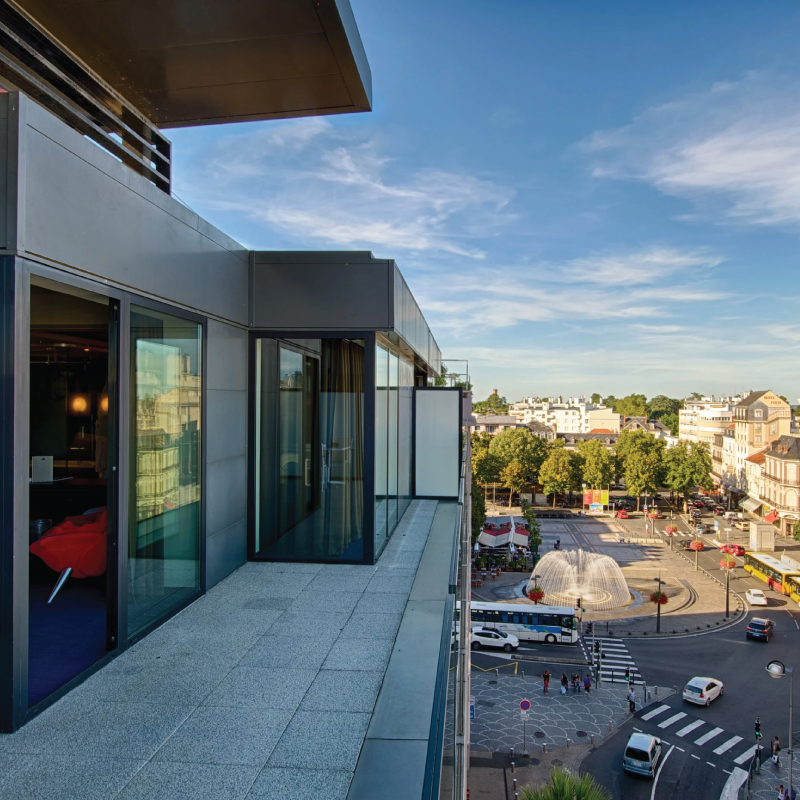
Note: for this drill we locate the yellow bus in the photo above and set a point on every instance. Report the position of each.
(774, 572)
(793, 581)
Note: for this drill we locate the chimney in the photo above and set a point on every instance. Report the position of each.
(494, 391)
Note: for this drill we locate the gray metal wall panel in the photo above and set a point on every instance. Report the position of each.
(225, 552)
(294, 293)
(86, 210)
(227, 357)
(226, 493)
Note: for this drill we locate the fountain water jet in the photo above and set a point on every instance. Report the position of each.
(566, 575)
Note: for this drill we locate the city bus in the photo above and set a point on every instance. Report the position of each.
(793, 582)
(774, 572)
(528, 622)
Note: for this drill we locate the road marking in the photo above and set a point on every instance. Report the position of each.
(709, 736)
(654, 713)
(680, 748)
(694, 756)
(710, 764)
(747, 755)
(727, 745)
(672, 720)
(638, 730)
(691, 727)
(658, 773)
(727, 771)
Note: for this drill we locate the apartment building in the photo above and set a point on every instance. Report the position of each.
(723, 457)
(702, 419)
(759, 419)
(576, 415)
(780, 489)
(494, 423)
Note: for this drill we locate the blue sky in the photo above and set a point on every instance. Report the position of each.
(583, 197)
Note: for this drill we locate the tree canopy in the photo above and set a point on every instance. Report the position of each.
(514, 478)
(687, 466)
(493, 404)
(520, 445)
(560, 473)
(672, 421)
(598, 463)
(661, 405)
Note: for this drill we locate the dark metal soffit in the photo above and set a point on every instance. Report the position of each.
(192, 62)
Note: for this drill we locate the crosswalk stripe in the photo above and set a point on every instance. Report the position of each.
(727, 745)
(672, 720)
(655, 712)
(747, 755)
(690, 727)
(708, 736)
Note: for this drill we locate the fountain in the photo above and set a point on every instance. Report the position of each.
(566, 575)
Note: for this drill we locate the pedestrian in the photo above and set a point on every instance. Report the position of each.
(776, 752)
(631, 700)
(576, 683)
(587, 683)
(781, 792)
(792, 794)
(546, 679)
(564, 682)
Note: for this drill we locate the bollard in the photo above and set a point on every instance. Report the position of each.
(609, 724)
(656, 691)
(512, 768)
(569, 743)
(649, 695)
(523, 674)
(591, 738)
(514, 787)
(544, 747)
(497, 673)
(512, 755)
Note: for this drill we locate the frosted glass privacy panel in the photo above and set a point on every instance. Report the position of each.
(437, 442)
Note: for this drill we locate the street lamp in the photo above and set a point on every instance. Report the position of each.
(658, 604)
(777, 669)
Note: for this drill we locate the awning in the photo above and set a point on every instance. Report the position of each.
(750, 504)
(771, 517)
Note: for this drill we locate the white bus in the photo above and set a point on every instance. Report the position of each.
(531, 623)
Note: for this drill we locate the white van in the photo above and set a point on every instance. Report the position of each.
(730, 515)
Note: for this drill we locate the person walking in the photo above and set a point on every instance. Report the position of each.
(631, 700)
(587, 683)
(781, 792)
(776, 752)
(546, 679)
(564, 683)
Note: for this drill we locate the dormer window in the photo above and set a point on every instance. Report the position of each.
(758, 413)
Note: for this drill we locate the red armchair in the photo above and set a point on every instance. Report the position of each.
(76, 546)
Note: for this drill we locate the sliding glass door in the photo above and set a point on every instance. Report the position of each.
(166, 457)
(309, 459)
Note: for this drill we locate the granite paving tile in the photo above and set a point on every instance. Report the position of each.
(304, 623)
(321, 740)
(335, 690)
(169, 781)
(280, 650)
(264, 687)
(279, 783)
(216, 735)
(359, 654)
(378, 626)
(375, 603)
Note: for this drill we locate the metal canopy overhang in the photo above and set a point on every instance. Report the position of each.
(196, 62)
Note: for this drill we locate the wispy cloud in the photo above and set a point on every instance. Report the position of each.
(336, 186)
(733, 150)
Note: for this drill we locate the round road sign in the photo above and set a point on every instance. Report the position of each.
(525, 705)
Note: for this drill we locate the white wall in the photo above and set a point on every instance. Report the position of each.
(437, 442)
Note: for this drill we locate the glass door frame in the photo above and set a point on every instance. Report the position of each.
(368, 338)
(15, 713)
(129, 475)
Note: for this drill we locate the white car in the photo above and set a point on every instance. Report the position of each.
(702, 691)
(481, 637)
(756, 597)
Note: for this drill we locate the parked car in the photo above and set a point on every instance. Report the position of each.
(622, 514)
(702, 691)
(719, 510)
(760, 628)
(732, 549)
(642, 754)
(698, 504)
(756, 597)
(499, 639)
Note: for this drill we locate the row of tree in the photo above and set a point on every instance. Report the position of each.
(520, 459)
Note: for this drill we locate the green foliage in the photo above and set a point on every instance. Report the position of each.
(478, 509)
(520, 445)
(480, 441)
(672, 421)
(598, 463)
(661, 405)
(493, 404)
(796, 531)
(596, 398)
(485, 466)
(611, 402)
(515, 478)
(534, 528)
(632, 441)
(560, 472)
(688, 465)
(566, 787)
(643, 472)
(634, 405)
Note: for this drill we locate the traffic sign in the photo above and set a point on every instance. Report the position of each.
(525, 705)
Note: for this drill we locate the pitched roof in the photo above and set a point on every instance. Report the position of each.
(758, 458)
(787, 448)
(496, 419)
(752, 397)
(601, 430)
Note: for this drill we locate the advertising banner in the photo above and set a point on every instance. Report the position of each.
(594, 496)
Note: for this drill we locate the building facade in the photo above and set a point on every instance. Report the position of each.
(759, 419)
(700, 420)
(780, 489)
(576, 415)
(494, 423)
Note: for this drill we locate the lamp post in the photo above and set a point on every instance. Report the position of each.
(777, 669)
(658, 605)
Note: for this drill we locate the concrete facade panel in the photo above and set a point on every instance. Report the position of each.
(226, 434)
(225, 551)
(226, 493)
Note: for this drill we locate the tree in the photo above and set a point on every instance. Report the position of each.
(632, 441)
(519, 444)
(596, 398)
(611, 402)
(515, 478)
(672, 421)
(661, 405)
(686, 466)
(480, 441)
(598, 463)
(485, 466)
(643, 472)
(493, 404)
(478, 510)
(558, 473)
(534, 528)
(562, 786)
(634, 405)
